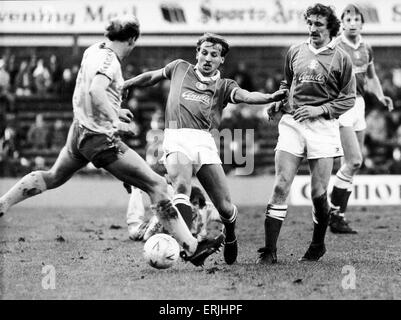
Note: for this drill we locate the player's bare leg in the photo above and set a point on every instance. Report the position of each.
(214, 181)
(37, 182)
(320, 176)
(286, 165)
(180, 169)
(351, 142)
(136, 219)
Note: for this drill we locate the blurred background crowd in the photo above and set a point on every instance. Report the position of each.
(36, 88)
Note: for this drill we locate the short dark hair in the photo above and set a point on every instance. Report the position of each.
(197, 193)
(353, 9)
(333, 23)
(123, 28)
(214, 38)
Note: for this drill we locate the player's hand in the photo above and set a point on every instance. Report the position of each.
(388, 102)
(125, 115)
(272, 110)
(307, 112)
(127, 128)
(280, 94)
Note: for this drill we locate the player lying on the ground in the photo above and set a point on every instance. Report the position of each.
(196, 99)
(143, 223)
(94, 137)
(352, 123)
(322, 87)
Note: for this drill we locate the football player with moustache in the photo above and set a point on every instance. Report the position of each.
(352, 123)
(322, 87)
(196, 99)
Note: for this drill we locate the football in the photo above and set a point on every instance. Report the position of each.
(161, 251)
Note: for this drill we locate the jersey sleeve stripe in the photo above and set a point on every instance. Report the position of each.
(232, 95)
(104, 74)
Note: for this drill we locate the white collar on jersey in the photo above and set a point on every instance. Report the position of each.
(330, 45)
(351, 44)
(207, 79)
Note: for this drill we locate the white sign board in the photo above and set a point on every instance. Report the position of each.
(368, 190)
(184, 16)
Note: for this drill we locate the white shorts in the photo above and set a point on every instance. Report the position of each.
(354, 117)
(198, 145)
(315, 139)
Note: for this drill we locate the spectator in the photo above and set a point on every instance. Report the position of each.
(154, 138)
(58, 135)
(395, 167)
(378, 148)
(41, 76)
(242, 76)
(9, 154)
(12, 69)
(67, 84)
(56, 75)
(129, 71)
(5, 94)
(38, 134)
(24, 80)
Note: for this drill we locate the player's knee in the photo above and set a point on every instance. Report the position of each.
(355, 163)
(158, 186)
(52, 178)
(281, 189)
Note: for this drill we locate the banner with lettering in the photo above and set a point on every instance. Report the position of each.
(184, 16)
(368, 190)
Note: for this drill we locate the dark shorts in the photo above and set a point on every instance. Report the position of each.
(90, 146)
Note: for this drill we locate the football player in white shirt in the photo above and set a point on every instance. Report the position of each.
(94, 136)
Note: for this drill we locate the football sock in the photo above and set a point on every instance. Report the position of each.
(136, 209)
(229, 224)
(275, 215)
(344, 205)
(174, 224)
(340, 194)
(29, 186)
(181, 201)
(320, 214)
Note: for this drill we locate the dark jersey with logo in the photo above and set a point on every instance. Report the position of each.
(193, 102)
(322, 77)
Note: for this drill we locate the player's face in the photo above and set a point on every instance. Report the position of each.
(209, 58)
(318, 32)
(352, 24)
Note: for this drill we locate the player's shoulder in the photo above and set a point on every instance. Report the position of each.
(297, 46)
(99, 52)
(342, 52)
(366, 44)
(178, 62)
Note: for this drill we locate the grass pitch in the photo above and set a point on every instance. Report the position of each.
(94, 259)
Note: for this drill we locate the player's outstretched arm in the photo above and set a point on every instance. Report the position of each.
(375, 87)
(145, 79)
(242, 95)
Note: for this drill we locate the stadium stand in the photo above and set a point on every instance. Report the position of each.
(256, 67)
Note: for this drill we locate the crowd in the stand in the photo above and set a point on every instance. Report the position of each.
(46, 77)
